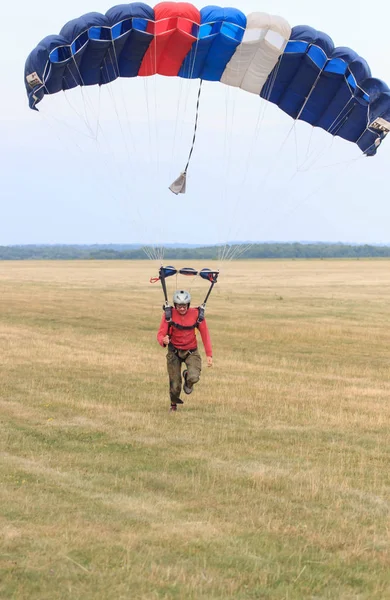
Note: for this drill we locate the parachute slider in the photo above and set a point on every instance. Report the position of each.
(188, 271)
(168, 271)
(209, 275)
(163, 273)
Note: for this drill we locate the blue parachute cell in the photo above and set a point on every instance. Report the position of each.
(219, 34)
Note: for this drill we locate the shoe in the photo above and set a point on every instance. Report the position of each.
(173, 408)
(187, 388)
(176, 399)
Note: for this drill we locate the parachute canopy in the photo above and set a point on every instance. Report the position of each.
(298, 68)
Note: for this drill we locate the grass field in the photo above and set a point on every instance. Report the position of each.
(272, 481)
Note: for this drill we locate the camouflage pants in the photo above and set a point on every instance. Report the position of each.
(175, 360)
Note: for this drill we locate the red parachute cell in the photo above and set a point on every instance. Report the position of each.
(172, 40)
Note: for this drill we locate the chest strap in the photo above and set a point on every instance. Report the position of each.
(184, 327)
(168, 318)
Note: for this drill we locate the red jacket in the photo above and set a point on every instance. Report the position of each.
(185, 339)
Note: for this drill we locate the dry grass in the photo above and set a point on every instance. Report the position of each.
(272, 481)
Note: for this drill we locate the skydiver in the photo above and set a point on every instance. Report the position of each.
(180, 338)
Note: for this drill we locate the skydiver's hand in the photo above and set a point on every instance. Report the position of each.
(166, 340)
(209, 361)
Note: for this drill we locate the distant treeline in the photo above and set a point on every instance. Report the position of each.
(132, 252)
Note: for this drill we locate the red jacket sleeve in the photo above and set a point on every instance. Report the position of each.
(205, 335)
(163, 330)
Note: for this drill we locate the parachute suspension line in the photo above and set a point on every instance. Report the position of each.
(239, 251)
(160, 214)
(147, 104)
(343, 162)
(148, 116)
(292, 127)
(94, 138)
(229, 131)
(176, 124)
(148, 251)
(313, 154)
(86, 102)
(160, 248)
(86, 121)
(145, 79)
(314, 157)
(332, 130)
(227, 157)
(296, 151)
(45, 77)
(294, 207)
(360, 137)
(313, 160)
(191, 285)
(106, 140)
(278, 154)
(234, 251)
(80, 116)
(156, 120)
(118, 198)
(273, 165)
(66, 125)
(341, 112)
(98, 112)
(309, 94)
(194, 59)
(364, 154)
(179, 185)
(63, 141)
(341, 120)
(341, 173)
(223, 189)
(109, 89)
(137, 223)
(123, 95)
(308, 149)
(233, 94)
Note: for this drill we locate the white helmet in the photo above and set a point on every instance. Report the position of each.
(181, 297)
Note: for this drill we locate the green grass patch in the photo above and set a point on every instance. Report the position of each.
(272, 481)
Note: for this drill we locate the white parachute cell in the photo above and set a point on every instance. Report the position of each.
(264, 41)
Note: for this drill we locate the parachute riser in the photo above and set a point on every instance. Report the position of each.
(209, 292)
(212, 277)
(202, 307)
(167, 308)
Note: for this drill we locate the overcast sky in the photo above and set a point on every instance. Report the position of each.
(252, 177)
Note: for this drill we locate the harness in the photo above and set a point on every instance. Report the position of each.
(198, 321)
(173, 348)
